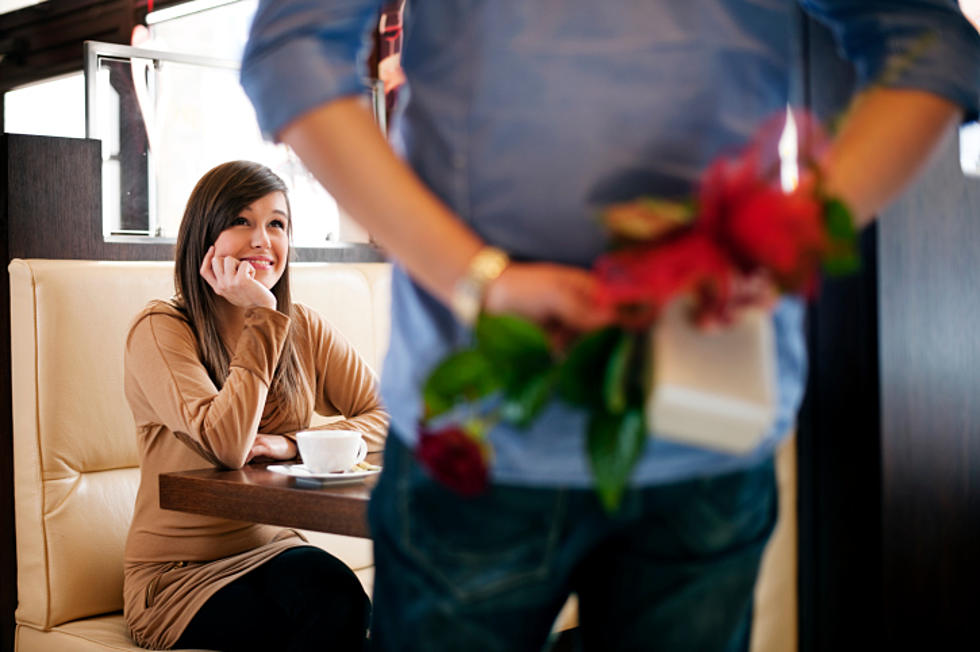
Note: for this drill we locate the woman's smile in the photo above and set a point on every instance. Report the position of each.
(259, 236)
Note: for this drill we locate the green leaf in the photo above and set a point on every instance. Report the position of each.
(464, 375)
(681, 212)
(842, 263)
(843, 257)
(518, 348)
(839, 221)
(581, 374)
(522, 406)
(615, 443)
(616, 377)
(509, 336)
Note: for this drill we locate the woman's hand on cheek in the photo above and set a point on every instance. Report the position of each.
(235, 281)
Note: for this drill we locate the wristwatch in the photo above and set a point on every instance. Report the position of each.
(470, 289)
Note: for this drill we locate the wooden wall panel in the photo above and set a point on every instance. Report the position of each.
(55, 207)
(930, 373)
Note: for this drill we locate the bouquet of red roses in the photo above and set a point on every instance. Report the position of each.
(742, 221)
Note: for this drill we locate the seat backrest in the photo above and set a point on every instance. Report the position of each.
(75, 459)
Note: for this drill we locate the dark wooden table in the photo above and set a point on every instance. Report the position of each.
(256, 494)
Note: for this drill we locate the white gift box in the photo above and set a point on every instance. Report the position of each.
(712, 389)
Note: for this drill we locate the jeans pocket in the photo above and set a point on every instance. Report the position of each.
(727, 513)
(482, 546)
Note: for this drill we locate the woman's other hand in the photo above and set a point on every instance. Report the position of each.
(271, 447)
(560, 298)
(234, 280)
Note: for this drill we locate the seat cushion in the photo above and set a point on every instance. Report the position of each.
(107, 632)
(87, 635)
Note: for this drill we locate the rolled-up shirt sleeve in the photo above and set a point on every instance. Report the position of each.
(918, 44)
(304, 53)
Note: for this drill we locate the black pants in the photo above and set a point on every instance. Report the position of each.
(301, 599)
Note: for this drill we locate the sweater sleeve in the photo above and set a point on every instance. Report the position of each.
(162, 358)
(345, 385)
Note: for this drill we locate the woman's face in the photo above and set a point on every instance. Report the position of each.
(259, 235)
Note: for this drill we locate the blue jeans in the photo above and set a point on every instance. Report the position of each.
(674, 569)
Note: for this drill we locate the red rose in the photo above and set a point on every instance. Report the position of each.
(652, 276)
(726, 183)
(781, 232)
(454, 457)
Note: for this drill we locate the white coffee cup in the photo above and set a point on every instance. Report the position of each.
(330, 451)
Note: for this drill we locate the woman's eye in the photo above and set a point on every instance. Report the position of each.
(279, 224)
(238, 221)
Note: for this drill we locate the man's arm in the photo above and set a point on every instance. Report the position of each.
(887, 137)
(342, 146)
(918, 63)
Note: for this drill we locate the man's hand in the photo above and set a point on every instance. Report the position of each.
(561, 299)
(753, 291)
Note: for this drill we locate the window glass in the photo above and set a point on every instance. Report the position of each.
(14, 5)
(200, 139)
(164, 123)
(165, 118)
(53, 107)
(218, 28)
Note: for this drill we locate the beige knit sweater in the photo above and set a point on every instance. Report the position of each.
(174, 561)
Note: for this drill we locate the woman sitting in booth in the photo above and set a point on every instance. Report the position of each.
(226, 373)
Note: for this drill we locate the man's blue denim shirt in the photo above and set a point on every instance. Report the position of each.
(526, 116)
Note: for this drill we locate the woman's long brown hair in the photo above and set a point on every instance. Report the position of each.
(216, 201)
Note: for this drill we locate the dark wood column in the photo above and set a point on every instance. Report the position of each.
(930, 384)
(889, 448)
(838, 441)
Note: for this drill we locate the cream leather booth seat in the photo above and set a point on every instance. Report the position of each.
(75, 459)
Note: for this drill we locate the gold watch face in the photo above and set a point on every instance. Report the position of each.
(468, 293)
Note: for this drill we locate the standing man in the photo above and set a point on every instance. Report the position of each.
(518, 120)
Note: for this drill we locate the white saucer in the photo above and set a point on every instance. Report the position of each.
(339, 477)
